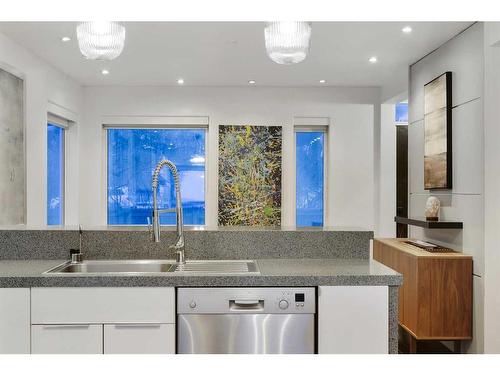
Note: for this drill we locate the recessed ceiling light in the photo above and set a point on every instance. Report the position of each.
(322, 81)
(252, 82)
(180, 81)
(65, 39)
(406, 29)
(104, 72)
(373, 59)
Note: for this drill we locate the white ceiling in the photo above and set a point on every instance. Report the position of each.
(231, 53)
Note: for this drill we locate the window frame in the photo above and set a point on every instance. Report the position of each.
(312, 129)
(64, 125)
(106, 127)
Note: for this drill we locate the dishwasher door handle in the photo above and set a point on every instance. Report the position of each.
(246, 304)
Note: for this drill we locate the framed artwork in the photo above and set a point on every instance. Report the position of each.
(12, 188)
(249, 175)
(437, 130)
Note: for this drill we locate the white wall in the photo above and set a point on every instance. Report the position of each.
(463, 56)
(386, 227)
(351, 112)
(45, 88)
(492, 187)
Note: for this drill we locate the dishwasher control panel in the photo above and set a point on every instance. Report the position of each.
(246, 300)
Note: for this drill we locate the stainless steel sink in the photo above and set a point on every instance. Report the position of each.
(196, 267)
(115, 266)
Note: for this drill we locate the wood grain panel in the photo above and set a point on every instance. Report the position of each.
(424, 306)
(410, 300)
(450, 280)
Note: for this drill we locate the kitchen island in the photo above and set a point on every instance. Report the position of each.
(355, 305)
(347, 290)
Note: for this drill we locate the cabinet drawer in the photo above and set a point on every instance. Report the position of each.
(66, 339)
(102, 305)
(139, 339)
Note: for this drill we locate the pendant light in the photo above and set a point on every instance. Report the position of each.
(287, 42)
(100, 40)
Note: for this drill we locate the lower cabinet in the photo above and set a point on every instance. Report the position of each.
(353, 320)
(103, 320)
(14, 320)
(139, 338)
(99, 339)
(67, 339)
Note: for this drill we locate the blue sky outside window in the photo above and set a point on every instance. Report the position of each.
(309, 178)
(132, 157)
(55, 174)
(401, 112)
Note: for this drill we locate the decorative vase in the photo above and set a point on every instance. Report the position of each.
(432, 209)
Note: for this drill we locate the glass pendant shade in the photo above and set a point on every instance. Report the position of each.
(287, 42)
(100, 40)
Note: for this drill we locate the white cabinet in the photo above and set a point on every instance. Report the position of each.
(139, 339)
(353, 320)
(67, 339)
(14, 320)
(102, 305)
(103, 320)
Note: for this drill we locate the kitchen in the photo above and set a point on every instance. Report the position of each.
(227, 195)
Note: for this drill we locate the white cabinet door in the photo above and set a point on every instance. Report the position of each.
(353, 320)
(139, 339)
(102, 305)
(67, 339)
(14, 320)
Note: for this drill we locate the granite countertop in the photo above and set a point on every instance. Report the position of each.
(274, 272)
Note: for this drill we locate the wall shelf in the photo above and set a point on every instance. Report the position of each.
(422, 222)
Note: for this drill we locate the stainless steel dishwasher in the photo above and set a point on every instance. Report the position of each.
(245, 320)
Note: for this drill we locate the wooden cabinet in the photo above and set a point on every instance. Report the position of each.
(66, 339)
(353, 320)
(14, 320)
(435, 300)
(103, 320)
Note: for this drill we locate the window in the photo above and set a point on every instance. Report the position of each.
(132, 157)
(55, 174)
(310, 177)
(401, 112)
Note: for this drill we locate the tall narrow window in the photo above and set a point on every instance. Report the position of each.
(132, 157)
(401, 113)
(310, 178)
(55, 175)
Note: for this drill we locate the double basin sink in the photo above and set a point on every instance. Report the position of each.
(194, 267)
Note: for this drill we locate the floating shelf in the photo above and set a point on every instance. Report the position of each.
(422, 222)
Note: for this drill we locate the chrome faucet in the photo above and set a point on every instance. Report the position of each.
(179, 243)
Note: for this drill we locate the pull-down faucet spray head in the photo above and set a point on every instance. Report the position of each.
(179, 243)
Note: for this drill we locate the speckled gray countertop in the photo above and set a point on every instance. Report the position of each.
(274, 272)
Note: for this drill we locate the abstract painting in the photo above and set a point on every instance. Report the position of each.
(11, 149)
(250, 175)
(437, 133)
